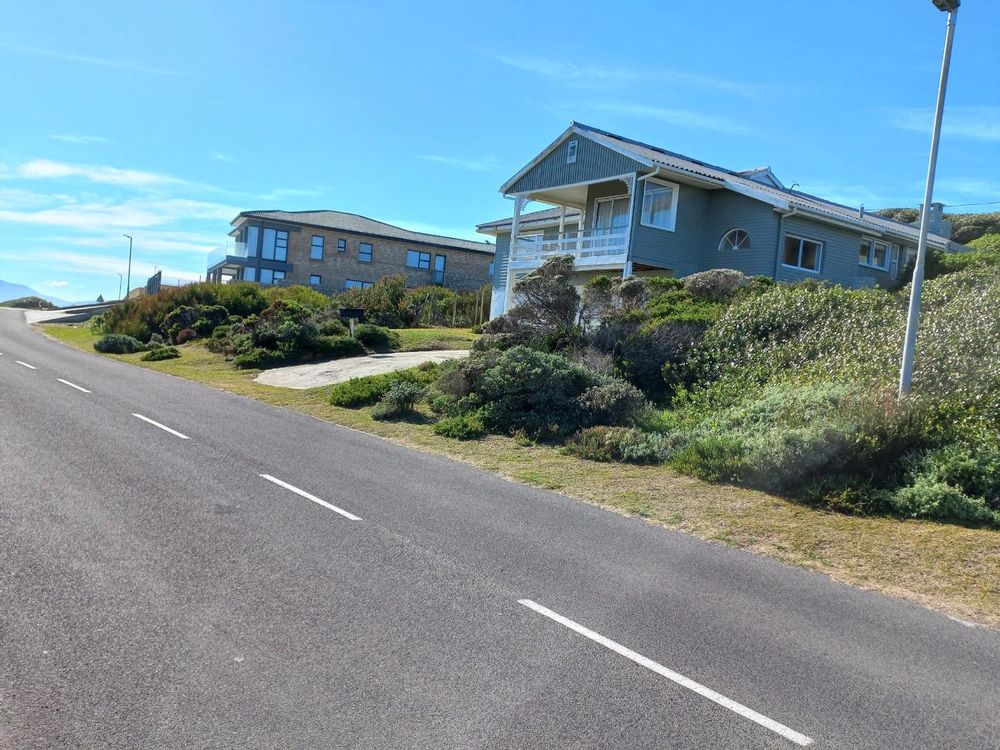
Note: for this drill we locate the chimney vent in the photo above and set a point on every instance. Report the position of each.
(861, 211)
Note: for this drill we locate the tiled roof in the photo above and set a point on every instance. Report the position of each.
(348, 222)
(775, 195)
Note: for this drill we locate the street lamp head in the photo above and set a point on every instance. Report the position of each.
(947, 5)
(127, 235)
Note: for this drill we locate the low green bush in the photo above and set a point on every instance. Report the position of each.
(338, 347)
(366, 391)
(461, 427)
(254, 359)
(927, 498)
(399, 400)
(332, 327)
(116, 343)
(160, 353)
(625, 444)
(377, 338)
(613, 402)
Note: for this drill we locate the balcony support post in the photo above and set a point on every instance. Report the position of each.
(515, 227)
(562, 222)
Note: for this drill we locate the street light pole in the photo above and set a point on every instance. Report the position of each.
(119, 286)
(913, 315)
(128, 279)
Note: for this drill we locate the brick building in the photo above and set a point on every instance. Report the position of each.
(333, 250)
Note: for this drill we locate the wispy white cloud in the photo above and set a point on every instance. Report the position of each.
(281, 193)
(681, 117)
(472, 165)
(104, 62)
(853, 194)
(978, 123)
(152, 240)
(43, 169)
(103, 265)
(57, 284)
(79, 139)
(219, 156)
(599, 76)
(133, 213)
(969, 187)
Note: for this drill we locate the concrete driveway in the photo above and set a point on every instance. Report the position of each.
(339, 370)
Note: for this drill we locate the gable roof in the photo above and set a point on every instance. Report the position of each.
(358, 224)
(714, 177)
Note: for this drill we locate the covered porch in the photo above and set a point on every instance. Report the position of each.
(599, 236)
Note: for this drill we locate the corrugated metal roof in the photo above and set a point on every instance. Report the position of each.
(546, 217)
(774, 195)
(356, 223)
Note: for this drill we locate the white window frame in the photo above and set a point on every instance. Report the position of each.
(571, 149)
(872, 242)
(673, 205)
(610, 199)
(722, 240)
(801, 239)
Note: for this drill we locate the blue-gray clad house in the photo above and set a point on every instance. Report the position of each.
(620, 206)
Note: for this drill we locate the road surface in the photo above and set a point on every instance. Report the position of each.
(186, 568)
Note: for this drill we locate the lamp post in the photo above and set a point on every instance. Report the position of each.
(128, 279)
(913, 316)
(119, 287)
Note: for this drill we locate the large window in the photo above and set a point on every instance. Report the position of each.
(439, 262)
(803, 253)
(874, 254)
(659, 205)
(251, 240)
(417, 259)
(352, 284)
(267, 276)
(365, 252)
(316, 249)
(249, 273)
(315, 279)
(341, 245)
(275, 245)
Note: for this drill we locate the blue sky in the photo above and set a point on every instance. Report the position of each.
(164, 120)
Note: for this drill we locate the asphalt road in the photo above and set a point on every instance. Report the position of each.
(159, 592)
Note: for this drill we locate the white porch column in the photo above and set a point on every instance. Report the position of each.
(562, 221)
(515, 227)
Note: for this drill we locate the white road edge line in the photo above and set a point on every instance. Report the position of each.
(161, 426)
(25, 364)
(764, 721)
(72, 385)
(307, 496)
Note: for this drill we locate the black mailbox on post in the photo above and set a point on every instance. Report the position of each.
(357, 313)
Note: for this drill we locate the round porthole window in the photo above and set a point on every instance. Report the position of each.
(735, 239)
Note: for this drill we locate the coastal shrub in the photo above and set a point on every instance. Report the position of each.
(927, 498)
(715, 285)
(461, 427)
(367, 390)
(613, 402)
(332, 327)
(625, 444)
(376, 338)
(116, 343)
(399, 400)
(337, 347)
(528, 390)
(254, 359)
(160, 353)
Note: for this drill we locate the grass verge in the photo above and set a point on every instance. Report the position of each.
(427, 339)
(946, 567)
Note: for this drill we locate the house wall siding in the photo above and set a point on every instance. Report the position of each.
(728, 210)
(680, 250)
(840, 255)
(593, 162)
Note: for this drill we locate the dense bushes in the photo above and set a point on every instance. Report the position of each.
(376, 338)
(389, 303)
(161, 353)
(116, 343)
(461, 427)
(366, 391)
(626, 444)
(399, 400)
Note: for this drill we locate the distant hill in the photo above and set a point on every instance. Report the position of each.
(10, 291)
(964, 227)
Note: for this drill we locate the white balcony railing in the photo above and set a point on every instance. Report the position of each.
(588, 243)
(230, 249)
